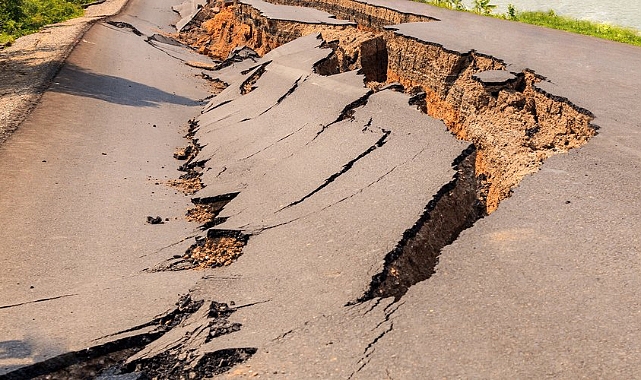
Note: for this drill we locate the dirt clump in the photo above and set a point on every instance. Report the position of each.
(184, 153)
(188, 186)
(201, 213)
(215, 252)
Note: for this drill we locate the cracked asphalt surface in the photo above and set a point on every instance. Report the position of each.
(329, 176)
(78, 183)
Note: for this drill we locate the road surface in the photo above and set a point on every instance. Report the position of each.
(329, 183)
(80, 178)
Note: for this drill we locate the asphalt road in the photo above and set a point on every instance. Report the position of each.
(330, 177)
(79, 179)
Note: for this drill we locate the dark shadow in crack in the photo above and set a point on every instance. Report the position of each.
(75, 80)
(82, 364)
(455, 208)
(109, 358)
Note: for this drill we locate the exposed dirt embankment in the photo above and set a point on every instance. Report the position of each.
(365, 15)
(513, 125)
(221, 27)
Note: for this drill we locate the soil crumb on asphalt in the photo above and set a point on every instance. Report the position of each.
(216, 252)
(201, 213)
(184, 153)
(188, 186)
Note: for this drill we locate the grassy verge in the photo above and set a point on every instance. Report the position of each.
(21, 17)
(552, 20)
(548, 19)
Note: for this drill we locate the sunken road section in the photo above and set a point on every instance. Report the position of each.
(514, 125)
(364, 160)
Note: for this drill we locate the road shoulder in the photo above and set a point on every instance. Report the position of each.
(29, 65)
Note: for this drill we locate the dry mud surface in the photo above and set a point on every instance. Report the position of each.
(391, 190)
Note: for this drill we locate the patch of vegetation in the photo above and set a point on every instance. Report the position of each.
(450, 4)
(21, 17)
(547, 19)
(551, 20)
(483, 7)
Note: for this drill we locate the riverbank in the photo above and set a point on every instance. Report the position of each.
(589, 28)
(28, 66)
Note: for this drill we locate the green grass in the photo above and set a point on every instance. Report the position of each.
(589, 28)
(5, 39)
(21, 17)
(550, 20)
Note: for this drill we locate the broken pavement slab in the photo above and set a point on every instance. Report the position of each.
(495, 77)
(187, 11)
(381, 146)
(301, 15)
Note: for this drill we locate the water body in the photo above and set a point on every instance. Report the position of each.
(618, 12)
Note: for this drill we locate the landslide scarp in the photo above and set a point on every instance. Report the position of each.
(220, 27)
(513, 125)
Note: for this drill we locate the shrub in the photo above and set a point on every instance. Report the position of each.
(483, 7)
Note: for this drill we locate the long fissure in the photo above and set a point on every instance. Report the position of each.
(344, 169)
(112, 360)
(454, 208)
